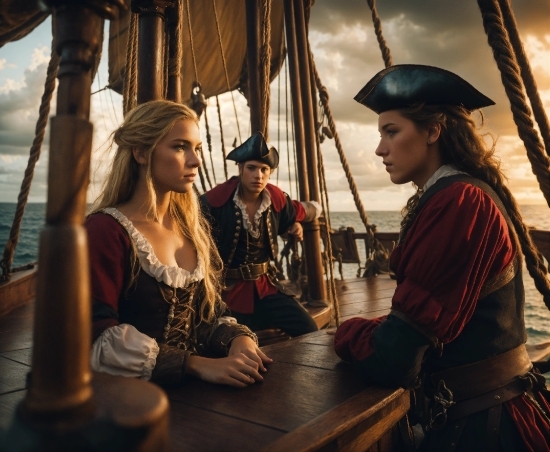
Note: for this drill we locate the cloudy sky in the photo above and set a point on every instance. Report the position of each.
(444, 33)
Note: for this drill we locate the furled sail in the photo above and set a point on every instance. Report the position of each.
(18, 18)
(213, 31)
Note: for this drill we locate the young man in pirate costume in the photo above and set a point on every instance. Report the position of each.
(247, 214)
(456, 333)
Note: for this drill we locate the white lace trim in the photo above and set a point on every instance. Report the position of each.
(254, 226)
(173, 276)
(443, 171)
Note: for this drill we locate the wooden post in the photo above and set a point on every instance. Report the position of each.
(295, 90)
(298, 58)
(61, 411)
(151, 48)
(253, 62)
(60, 383)
(174, 61)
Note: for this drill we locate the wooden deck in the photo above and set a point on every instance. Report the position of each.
(308, 400)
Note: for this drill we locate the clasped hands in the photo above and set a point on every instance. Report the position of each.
(240, 368)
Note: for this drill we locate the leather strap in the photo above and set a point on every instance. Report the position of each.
(493, 427)
(472, 380)
(488, 400)
(249, 272)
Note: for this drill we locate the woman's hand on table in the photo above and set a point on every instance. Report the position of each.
(246, 346)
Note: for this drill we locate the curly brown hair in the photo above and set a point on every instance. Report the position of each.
(462, 145)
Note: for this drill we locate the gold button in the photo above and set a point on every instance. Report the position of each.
(236, 234)
(235, 241)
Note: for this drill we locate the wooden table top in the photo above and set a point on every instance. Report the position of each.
(308, 397)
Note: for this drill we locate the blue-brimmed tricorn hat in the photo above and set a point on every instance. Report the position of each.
(255, 148)
(403, 85)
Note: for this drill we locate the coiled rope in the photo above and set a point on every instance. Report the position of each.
(510, 74)
(526, 73)
(386, 54)
(129, 100)
(265, 65)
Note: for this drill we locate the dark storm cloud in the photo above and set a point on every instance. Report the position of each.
(443, 33)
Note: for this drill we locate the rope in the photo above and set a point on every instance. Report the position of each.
(40, 130)
(323, 95)
(209, 141)
(326, 232)
(174, 64)
(203, 184)
(278, 121)
(386, 55)
(130, 77)
(221, 135)
(225, 69)
(265, 64)
(510, 75)
(286, 122)
(526, 73)
(191, 40)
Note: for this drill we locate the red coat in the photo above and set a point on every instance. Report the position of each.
(458, 241)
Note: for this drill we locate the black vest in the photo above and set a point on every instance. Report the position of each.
(497, 324)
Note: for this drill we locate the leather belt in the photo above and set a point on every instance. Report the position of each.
(472, 380)
(468, 389)
(249, 272)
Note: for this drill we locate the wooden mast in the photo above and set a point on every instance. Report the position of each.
(253, 63)
(65, 409)
(298, 59)
(151, 48)
(174, 57)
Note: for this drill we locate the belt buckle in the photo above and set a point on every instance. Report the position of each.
(246, 274)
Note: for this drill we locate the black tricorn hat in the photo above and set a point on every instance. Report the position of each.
(403, 85)
(255, 148)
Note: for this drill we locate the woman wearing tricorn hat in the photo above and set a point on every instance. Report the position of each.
(247, 214)
(455, 332)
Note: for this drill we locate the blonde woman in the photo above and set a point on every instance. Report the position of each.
(157, 313)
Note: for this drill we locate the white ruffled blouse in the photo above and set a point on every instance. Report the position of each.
(122, 349)
(252, 226)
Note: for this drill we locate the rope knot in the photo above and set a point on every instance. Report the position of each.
(323, 94)
(198, 101)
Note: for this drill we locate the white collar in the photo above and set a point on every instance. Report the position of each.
(443, 171)
(252, 226)
(172, 276)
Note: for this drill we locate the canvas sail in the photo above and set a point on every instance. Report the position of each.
(206, 48)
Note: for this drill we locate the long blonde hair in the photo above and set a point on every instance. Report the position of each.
(142, 129)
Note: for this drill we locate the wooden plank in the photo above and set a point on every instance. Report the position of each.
(8, 403)
(202, 430)
(15, 340)
(19, 290)
(294, 394)
(13, 375)
(313, 355)
(356, 424)
(23, 356)
(369, 315)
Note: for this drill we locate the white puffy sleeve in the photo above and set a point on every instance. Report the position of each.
(123, 350)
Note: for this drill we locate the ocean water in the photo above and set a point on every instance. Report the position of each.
(537, 315)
